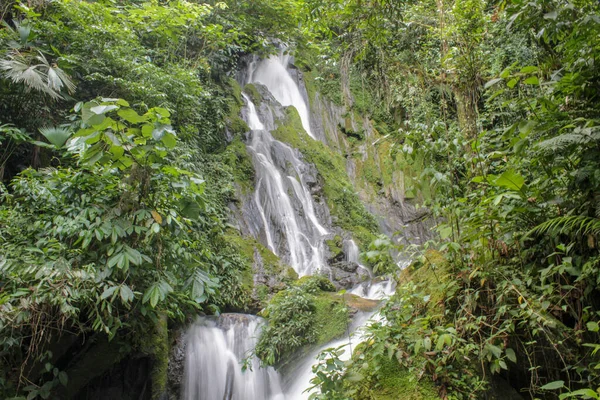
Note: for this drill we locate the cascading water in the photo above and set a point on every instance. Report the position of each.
(372, 290)
(273, 73)
(289, 226)
(215, 348)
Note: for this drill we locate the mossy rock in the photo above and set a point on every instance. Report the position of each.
(236, 125)
(253, 93)
(347, 210)
(358, 303)
(398, 383)
(240, 163)
(434, 274)
(331, 317)
(335, 246)
(272, 264)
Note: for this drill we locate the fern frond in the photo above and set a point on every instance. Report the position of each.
(579, 136)
(578, 225)
(559, 142)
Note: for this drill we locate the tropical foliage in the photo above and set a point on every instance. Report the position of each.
(116, 183)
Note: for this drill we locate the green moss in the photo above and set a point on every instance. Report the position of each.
(236, 91)
(235, 124)
(344, 204)
(359, 303)
(272, 264)
(331, 317)
(398, 383)
(433, 275)
(335, 245)
(158, 347)
(255, 96)
(237, 158)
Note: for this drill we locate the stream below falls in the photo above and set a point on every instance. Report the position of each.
(217, 347)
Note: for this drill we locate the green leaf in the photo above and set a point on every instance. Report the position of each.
(108, 292)
(510, 354)
(529, 69)
(553, 385)
(593, 326)
(190, 208)
(63, 378)
(126, 294)
(90, 117)
(532, 80)
(492, 83)
(427, 343)
(495, 350)
(169, 140)
(586, 393)
(152, 295)
(56, 136)
(160, 129)
(103, 109)
(525, 127)
(510, 180)
(511, 84)
(130, 115)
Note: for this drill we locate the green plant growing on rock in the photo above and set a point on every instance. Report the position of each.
(306, 313)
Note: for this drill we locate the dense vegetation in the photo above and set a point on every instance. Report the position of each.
(116, 174)
(501, 102)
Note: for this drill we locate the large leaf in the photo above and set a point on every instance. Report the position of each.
(553, 385)
(510, 180)
(56, 136)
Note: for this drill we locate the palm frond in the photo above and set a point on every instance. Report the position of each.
(56, 136)
(42, 77)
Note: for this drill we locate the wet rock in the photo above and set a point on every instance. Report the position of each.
(176, 366)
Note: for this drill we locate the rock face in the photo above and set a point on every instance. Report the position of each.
(379, 183)
(176, 366)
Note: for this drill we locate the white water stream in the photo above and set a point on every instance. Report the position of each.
(292, 230)
(215, 348)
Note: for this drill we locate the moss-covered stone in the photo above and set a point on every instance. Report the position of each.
(358, 303)
(335, 246)
(347, 210)
(272, 264)
(157, 346)
(237, 158)
(234, 122)
(331, 317)
(395, 382)
(433, 273)
(254, 94)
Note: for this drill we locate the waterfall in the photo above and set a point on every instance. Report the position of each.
(215, 348)
(291, 227)
(284, 219)
(273, 73)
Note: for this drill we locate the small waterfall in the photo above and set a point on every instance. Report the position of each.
(215, 348)
(273, 73)
(291, 227)
(352, 253)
